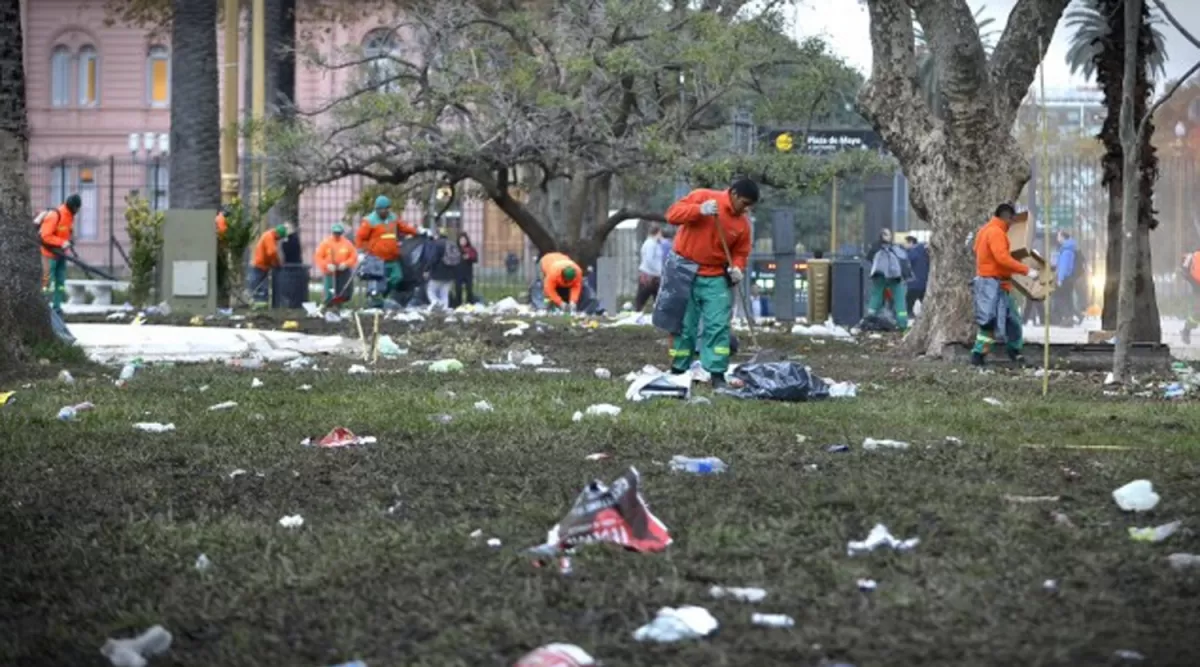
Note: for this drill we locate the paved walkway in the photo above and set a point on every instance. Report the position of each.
(114, 343)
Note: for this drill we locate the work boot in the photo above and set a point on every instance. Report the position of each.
(718, 381)
(977, 360)
(1017, 358)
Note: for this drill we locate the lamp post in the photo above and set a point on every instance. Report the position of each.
(150, 148)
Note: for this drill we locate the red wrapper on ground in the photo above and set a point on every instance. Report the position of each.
(616, 514)
(557, 655)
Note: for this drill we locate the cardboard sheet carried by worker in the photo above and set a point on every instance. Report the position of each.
(674, 293)
(1020, 243)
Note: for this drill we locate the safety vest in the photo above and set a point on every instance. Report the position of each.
(1193, 266)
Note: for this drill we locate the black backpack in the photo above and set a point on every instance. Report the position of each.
(452, 256)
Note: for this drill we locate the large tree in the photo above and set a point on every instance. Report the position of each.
(962, 164)
(1099, 49)
(195, 106)
(24, 316)
(560, 112)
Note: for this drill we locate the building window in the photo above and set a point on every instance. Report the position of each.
(66, 180)
(379, 49)
(89, 77)
(60, 77)
(158, 77)
(158, 185)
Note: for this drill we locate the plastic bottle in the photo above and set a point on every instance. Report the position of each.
(127, 372)
(707, 465)
(70, 412)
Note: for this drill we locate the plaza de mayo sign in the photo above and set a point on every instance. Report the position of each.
(825, 141)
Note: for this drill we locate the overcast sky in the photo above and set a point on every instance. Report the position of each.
(846, 25)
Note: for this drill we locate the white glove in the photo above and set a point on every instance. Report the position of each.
(331, 268)
(342, 267)
(361, 256)
(709, 207)
(1033, 274)
(735, 275)
(66, 245)
(569, 308)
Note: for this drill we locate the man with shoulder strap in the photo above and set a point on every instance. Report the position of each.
(56, 229)
(1191, 273)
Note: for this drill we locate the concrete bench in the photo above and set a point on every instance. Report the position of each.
(101, 291)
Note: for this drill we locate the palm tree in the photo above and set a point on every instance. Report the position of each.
(1098, 48)
(24, 317)
(195, 112)
(929, 73)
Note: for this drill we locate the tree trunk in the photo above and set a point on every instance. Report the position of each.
(24, 316)
(1147, 326)
(195, 110)
(1130, 195)
(280, 88)
(964, 164)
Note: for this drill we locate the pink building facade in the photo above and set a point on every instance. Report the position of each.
(99, 114)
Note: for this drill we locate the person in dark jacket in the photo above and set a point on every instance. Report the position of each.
(443, 270)
(918, 257)
(464, 278)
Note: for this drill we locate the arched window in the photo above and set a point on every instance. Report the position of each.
(379, 47)
(89, 77)
(60, 77)
(158, 77)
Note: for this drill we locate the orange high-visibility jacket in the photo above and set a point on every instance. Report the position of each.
(697, 238)
(222, 226)
(335, 250)
(266, 251)
(56, 229)
(552, 266)
(993, 256)
(382, 239)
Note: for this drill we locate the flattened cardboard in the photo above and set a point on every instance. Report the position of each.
(1020, 242)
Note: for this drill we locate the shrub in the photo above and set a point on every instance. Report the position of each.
(145, 229)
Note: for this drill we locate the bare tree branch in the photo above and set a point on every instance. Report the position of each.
(1162, 7)
(1016, 57)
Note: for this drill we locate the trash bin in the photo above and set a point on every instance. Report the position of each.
(847, 292)
(289, 286)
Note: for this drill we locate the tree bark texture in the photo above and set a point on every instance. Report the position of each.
(1130, 141)
(964, 164)
(1110, 75)
(195, 108)
(24, 315)
(280, 88)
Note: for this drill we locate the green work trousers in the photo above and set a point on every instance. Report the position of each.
(1014, 337)
(711, 303)
(880, 285)
(55, 284)
(393, 275)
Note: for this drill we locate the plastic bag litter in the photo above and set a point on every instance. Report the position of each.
(292, 521)
(153, 427)
(202, 563)
(484, 406)
(672, 625)
(357, 369)
(598, 410)
(1182, 561)
(557, 655)
(739, 594)
(827, 330)
(880, 536)
(340, 437)
(227, 405)
(446, 366)
(616, 514)
(1136, 496)
(1155, 534)
(776, 381)
(388, 347)
(873, 444)
(256, 383)
(602, 374)
(133, 652)
(659, 385)
(879, 322)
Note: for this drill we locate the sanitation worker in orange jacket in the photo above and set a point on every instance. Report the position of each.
(711, 303)
(266, 257)
(378, 236)
(562, 280)
(336, 258)
(56, 230)
(994, 268)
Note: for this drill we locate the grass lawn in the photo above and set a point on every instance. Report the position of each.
(102, 525)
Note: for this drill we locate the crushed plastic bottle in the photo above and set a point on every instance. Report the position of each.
(127, 373)
(65, 377)
(707, 465)
(70, 412)
(773, 620)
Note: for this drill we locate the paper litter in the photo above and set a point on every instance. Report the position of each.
(672, 625)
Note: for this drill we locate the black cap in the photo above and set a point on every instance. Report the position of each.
(747, 188)
(74, 202)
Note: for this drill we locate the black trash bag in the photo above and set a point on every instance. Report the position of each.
(674, 293)
(879, 322)
(777, 381)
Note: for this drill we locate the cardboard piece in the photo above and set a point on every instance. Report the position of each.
(1020, 240)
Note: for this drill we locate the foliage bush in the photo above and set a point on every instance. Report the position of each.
(145, 229)
(243, 224)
